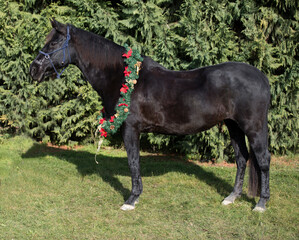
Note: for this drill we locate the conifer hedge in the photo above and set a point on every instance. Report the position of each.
(180, 35)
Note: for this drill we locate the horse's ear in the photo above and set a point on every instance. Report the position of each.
(58, 26)
(53, 22)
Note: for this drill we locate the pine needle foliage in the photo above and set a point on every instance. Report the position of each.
(180, 35)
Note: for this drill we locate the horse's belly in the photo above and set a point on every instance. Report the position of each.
(187, 116)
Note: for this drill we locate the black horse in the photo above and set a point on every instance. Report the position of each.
(170, 102)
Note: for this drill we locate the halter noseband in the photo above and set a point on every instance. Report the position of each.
(64, 47)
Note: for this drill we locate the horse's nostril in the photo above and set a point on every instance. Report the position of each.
(33, 70)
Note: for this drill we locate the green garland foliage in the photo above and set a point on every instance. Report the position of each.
(133, 61)
(178, 34)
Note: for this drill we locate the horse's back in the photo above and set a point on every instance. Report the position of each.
(228, 74)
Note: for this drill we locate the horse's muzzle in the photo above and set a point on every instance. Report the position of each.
(35, 72)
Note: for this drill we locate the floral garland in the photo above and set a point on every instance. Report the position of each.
(110, 126)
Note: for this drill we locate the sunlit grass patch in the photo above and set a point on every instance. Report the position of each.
(52, 193)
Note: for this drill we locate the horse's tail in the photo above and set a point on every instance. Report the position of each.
(254, 185)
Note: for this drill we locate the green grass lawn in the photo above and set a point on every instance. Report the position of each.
(50, 193)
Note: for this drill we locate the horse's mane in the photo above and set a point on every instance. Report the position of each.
(100, 50)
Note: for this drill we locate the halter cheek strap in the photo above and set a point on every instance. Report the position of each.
(64, 47)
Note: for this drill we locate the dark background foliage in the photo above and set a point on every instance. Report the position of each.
(180, 35)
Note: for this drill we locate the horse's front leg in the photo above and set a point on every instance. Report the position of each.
(131, 140)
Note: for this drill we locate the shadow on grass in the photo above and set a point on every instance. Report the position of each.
(109, 167)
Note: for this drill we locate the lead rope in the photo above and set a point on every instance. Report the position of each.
(101, 139)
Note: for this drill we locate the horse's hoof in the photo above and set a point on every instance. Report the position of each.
(259, 209)
(227, 202)
(127, 207)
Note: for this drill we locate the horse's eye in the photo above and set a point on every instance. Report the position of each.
(53, 44)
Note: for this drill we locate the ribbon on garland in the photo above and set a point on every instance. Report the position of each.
(110, 126)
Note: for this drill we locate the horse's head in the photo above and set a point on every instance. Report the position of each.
(55, 55)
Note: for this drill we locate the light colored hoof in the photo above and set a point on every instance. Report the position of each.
(227, 202)
(259, 209)
(127, 207)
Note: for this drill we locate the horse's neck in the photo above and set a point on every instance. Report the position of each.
(102, 64)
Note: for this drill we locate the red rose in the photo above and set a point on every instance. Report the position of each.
(124, 88)
(112, 119)
(126, 72)
(128, 55)
(102, 121)
(123, 104)
(103, 132)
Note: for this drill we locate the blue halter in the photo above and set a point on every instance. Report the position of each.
(64, 47)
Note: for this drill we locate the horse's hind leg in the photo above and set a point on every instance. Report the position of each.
(259, 144)
(241, 155)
